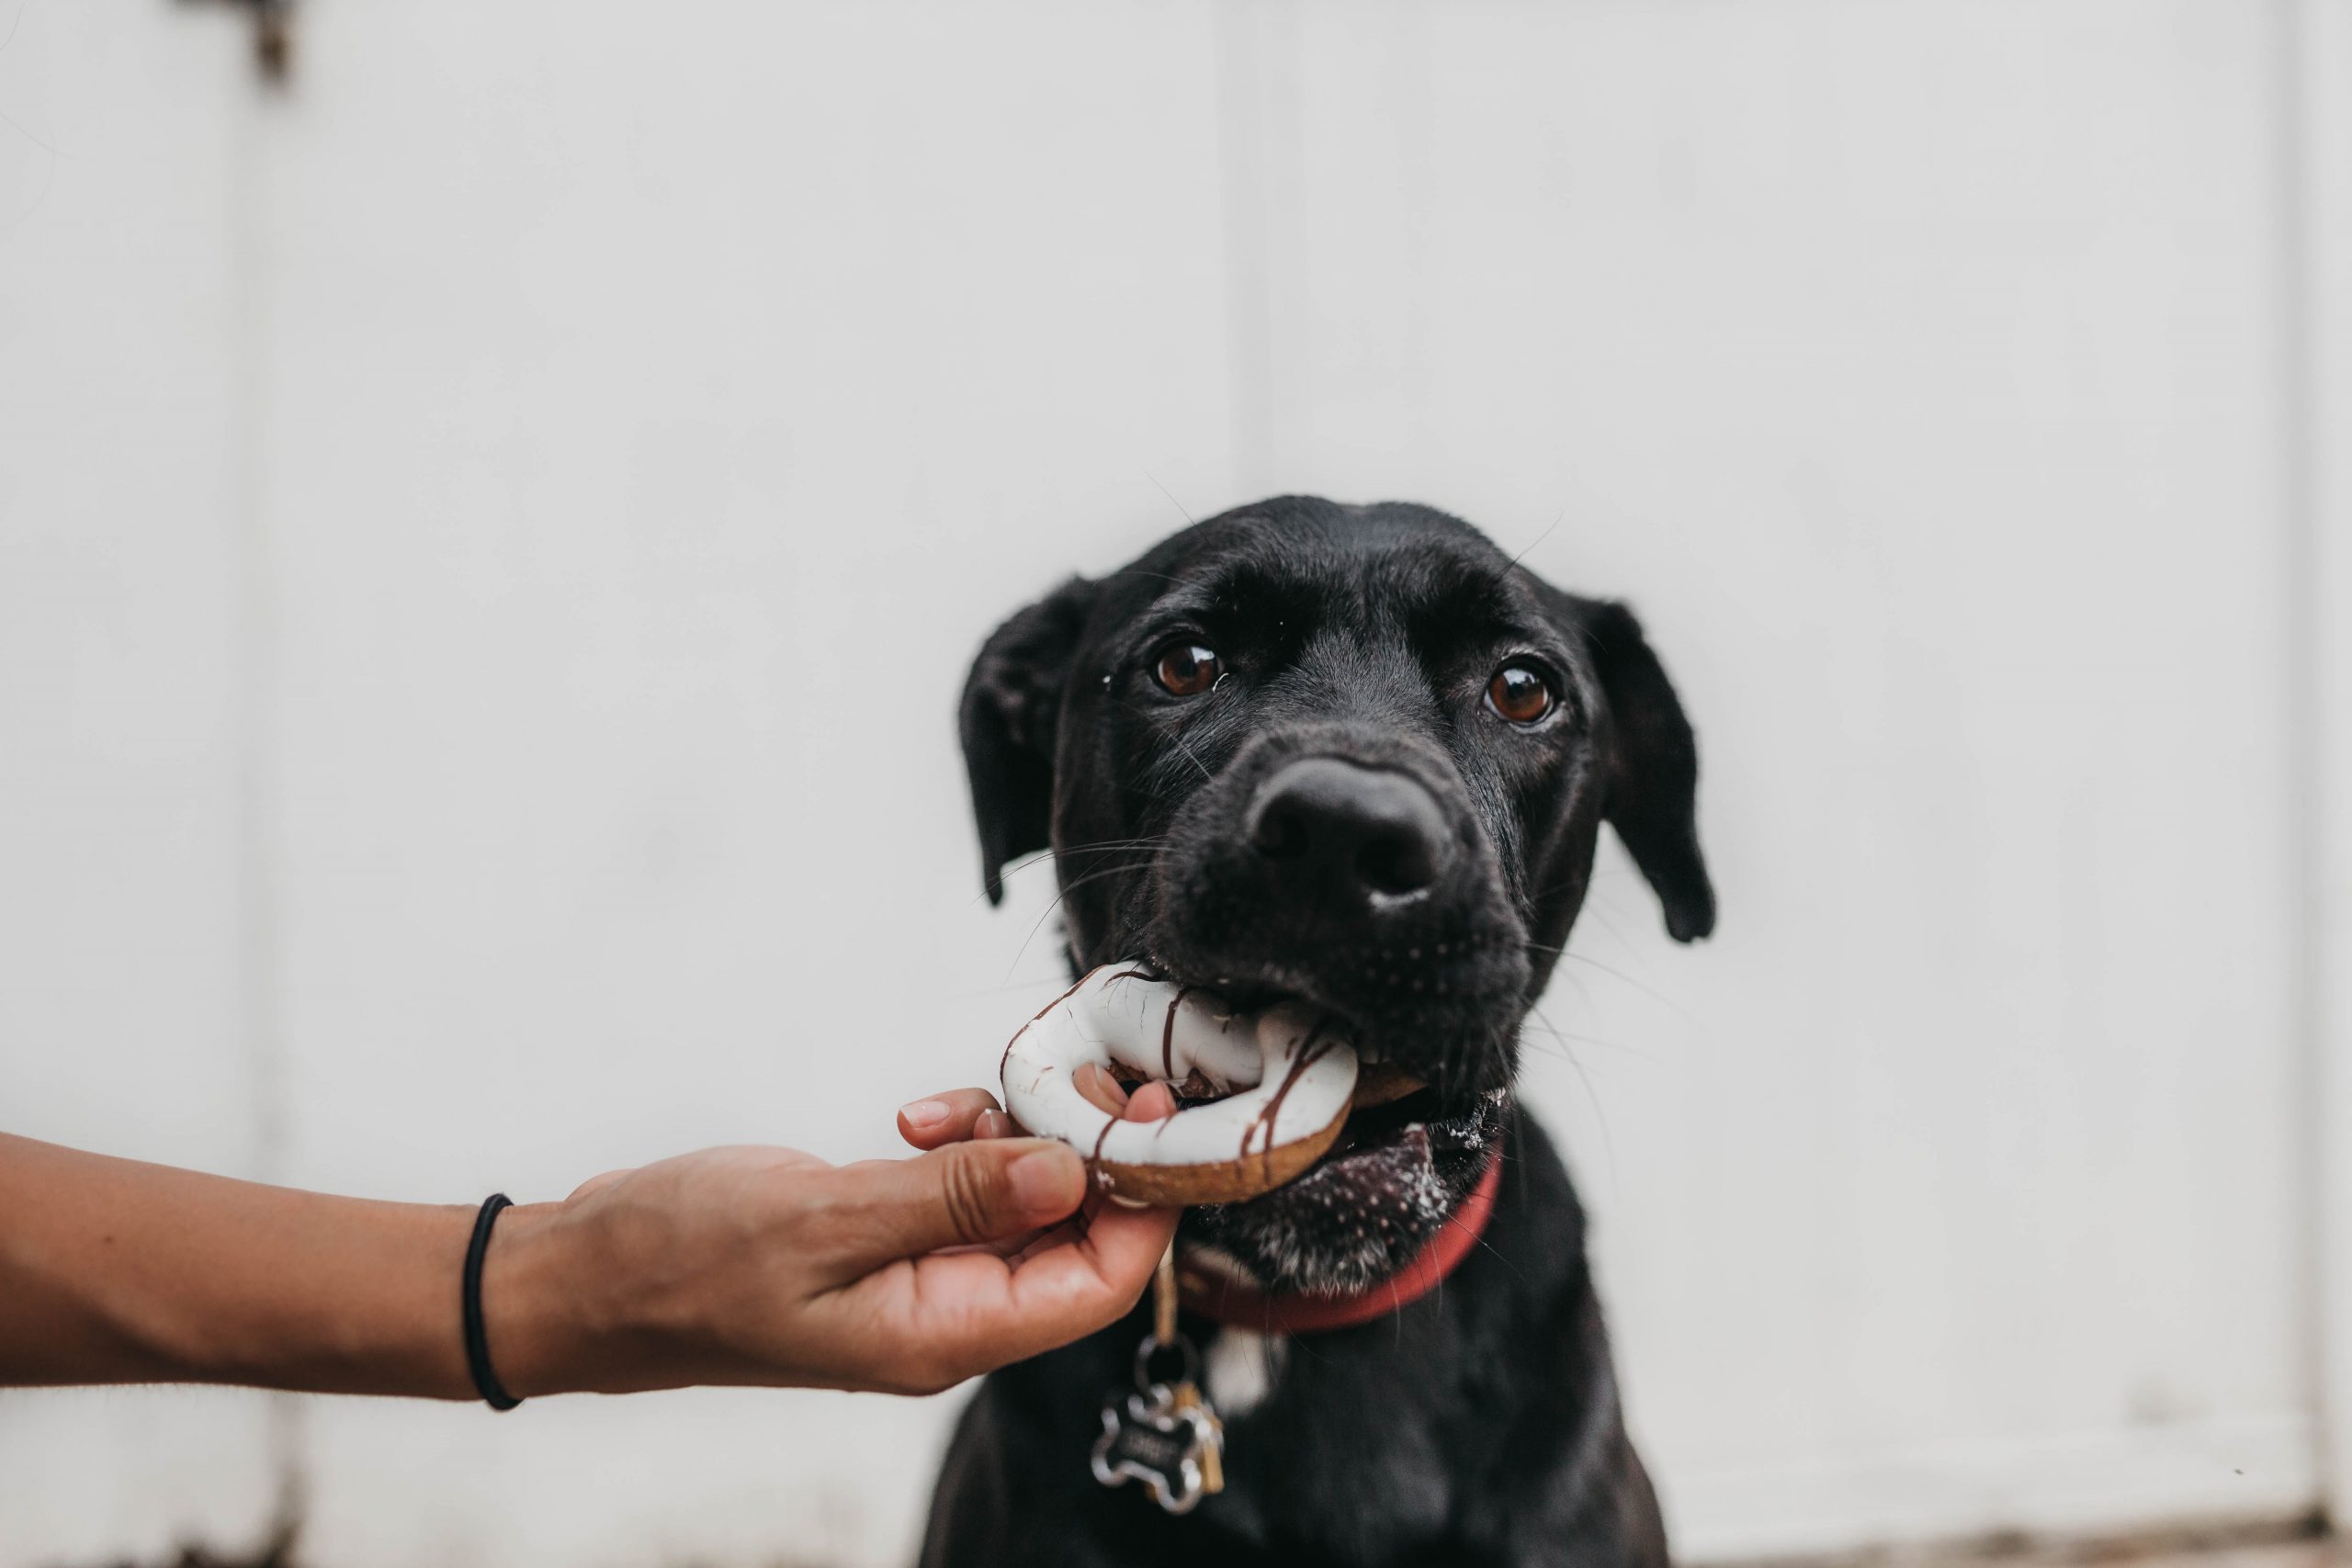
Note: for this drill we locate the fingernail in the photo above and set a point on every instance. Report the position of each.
(1041, 1184)
(924, 1112)
(1095, 1084)
(992, 1124)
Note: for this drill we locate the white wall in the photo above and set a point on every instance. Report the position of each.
(489, 540)
(124, 983)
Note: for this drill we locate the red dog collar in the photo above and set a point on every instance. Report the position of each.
(1229, 1302)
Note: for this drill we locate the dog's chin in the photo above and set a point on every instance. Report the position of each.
(1366, 1208)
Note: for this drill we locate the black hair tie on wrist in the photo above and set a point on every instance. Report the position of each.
(486, 1384)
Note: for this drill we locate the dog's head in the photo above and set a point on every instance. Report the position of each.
(1354, 755)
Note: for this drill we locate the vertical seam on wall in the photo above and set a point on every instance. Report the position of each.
(1240, 189)
(2302, 836)
(1255, 79)
(255, 677)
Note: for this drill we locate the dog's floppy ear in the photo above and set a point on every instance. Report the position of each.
(1012, 701)
(1653, 778)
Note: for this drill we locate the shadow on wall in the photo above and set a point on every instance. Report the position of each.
(280, 1551)
(277, 1552)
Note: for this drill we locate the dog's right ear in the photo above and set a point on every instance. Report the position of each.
(1012, 704)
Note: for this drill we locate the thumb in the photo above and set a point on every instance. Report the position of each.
(959, 1196)
(595, 1184)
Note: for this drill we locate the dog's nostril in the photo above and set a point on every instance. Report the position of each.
(1396, 861)
(1279, 832)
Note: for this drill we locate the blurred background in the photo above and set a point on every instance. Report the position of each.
(493, 526)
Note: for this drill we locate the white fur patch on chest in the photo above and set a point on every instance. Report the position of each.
(1241, 1367)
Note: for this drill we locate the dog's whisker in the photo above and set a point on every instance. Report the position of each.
(1096, 874)
(1647, 990)
(1592, 1094)
(1138, 571)
(1563, 1036)
(1170, 494)
(1050, 856)
(1539, 538)
(1153, 841)
(1479, 1239)
(1176, 734)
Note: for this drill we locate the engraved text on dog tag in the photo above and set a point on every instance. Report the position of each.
(1172, 1449)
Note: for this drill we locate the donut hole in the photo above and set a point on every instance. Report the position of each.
(1190, 1091)
(1258, 1098)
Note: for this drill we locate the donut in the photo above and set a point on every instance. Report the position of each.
(1272, 1089)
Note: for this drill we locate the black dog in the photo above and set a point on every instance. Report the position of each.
(1353, 755)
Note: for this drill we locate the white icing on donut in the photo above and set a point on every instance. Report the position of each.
(1283, 1076)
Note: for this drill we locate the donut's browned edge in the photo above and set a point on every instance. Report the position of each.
(1227, 1182)
(1378, 1083)
(1256, 1173)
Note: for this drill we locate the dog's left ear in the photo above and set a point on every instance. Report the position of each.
(1652, 782)
(1012, 704)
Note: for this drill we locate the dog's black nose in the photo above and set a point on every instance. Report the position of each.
(1356, 831)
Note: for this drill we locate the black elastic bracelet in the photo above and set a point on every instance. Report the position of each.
(486, 1384)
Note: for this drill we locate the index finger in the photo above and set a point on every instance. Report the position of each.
(938, 1119)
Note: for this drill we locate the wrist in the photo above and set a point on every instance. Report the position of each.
(539, 1312)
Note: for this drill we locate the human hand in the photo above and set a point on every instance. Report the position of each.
(756, 1265)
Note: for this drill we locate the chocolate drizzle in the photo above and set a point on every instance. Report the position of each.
(1167, 1036)
(1094, 1160)
(1311, 1051)
(1006, 1055)
(1195, 1179)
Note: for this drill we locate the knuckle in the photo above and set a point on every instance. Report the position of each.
(968, 1185)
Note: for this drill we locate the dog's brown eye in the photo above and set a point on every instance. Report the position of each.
(1186, 668)
(1519, 693)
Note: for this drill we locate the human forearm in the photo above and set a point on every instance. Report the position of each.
(117, 1271)
(729, 1266)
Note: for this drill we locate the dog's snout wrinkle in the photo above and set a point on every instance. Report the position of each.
(1362, 833)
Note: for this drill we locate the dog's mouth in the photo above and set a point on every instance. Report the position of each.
(1388, 1182)
(1386, 1154)
(1365, 1210)
(1371, 1129)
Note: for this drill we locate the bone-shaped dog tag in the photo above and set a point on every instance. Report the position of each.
(1212, 1456)
(1173, 1449)
(1165, 1436)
